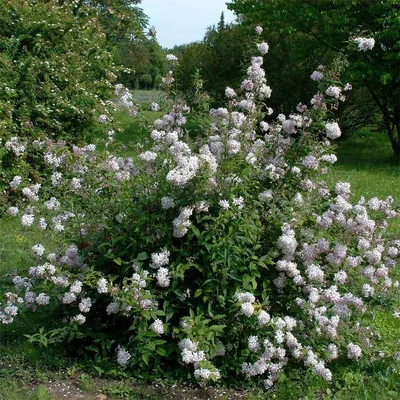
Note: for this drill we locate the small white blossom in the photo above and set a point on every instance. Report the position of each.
(333, 130)
(263, 48)
(123, 356)
(154, 106)
(102, 285)
(157, 327)
(364, 44)
(38, 250)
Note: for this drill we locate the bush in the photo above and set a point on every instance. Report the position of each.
(226, 255)
(56, 73)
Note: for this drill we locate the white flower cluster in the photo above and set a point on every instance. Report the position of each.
(287, 241)
(14, 145)
(364, 44)
(12, 211)
(333, 91)
(354, 351)
(184, 172)
(157, 327)
(317, 76)
(163, 278)
(159, 259)
(263, 48)
(167, 202)
(246, 301)
(15, 182)
(171, 58)
(102, 285)
(205, 374)
(32, 192)
(333, 130)
(38, 250)
(123, 356)
(182, 222)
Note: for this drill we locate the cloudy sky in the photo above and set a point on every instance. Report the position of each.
(183, 21)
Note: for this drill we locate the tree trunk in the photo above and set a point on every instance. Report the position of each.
(396, 147)
(391, 124)
(397, 142)
(392, 132)
(396, 128)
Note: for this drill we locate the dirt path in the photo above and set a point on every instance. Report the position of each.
(104, 390)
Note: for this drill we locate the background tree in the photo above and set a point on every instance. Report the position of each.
(191, 58)
(328, 26)
(146, 60)
(56, 79)
(55, 70)
(119, 18)
(221, 23)
(219, 57)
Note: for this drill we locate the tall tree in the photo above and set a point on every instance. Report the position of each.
(118, 17)
(219, 57)
(54, 70)
(146, 59)
(221, 23)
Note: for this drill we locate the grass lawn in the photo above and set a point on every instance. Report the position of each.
(365, 159)
(140, 96)
(31, 373)
(135, 128)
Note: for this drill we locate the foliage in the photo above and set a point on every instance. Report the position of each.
(56, 71)
(225, 255)
(145, 60)
(56, 81)
(120, 18)
(219, 58)
(327, 25)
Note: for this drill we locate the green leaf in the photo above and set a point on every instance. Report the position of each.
(142, 256)
(195, 231)
(118, 261)
(99, 370)
(145, 358)
(161, 351)
(159, 341)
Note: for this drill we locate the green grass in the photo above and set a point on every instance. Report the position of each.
(12, 389)
(365, 159)
(15, 245)
(135, 128)
(142, 96)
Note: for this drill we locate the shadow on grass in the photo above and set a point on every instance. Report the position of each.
(367, 150)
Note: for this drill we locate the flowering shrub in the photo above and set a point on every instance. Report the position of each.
(223, 255)
(56, 80)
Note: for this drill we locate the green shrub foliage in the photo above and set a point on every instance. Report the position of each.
(56, 73)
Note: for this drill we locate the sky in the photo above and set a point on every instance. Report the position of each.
(184, 21)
